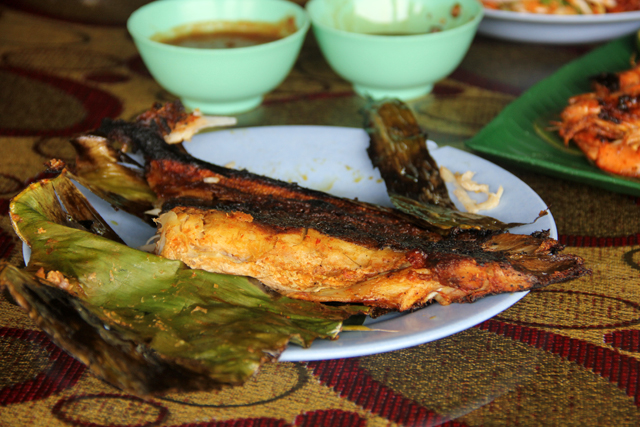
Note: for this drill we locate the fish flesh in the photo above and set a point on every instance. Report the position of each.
(313, 246)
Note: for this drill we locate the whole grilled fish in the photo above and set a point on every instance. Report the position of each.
(310, 245)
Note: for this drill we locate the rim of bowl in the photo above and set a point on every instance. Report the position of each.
(476, 20)
(603, 18)
(235, 51)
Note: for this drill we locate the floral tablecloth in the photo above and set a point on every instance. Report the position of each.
(565, 355)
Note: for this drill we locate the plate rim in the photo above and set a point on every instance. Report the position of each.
(551, 19)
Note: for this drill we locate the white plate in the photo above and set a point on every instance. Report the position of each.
(557, 29)
(334, 160)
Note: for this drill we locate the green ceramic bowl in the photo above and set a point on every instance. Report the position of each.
(217, 81)
(394, 48)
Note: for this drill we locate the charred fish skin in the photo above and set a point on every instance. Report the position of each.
(178, 178)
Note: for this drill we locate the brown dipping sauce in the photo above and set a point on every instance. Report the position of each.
(227, 34)
(222, 40)
(431, 30)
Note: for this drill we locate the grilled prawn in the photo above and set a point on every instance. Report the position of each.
(605, 123)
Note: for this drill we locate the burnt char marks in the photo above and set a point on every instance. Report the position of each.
(287, 214)
(149, 142)
(608, 80)
(608, 116)
(146, 140)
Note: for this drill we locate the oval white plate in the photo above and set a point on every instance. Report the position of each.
(334, 160)
(557, 29)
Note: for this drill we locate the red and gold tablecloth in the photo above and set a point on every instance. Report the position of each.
(565, 355)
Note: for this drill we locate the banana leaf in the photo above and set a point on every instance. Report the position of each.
(398, 149)
(143, 323)
(446, 219)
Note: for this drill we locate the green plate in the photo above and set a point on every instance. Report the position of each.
(521, 133)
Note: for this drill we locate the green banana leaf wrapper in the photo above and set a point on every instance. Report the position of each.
(143, 323)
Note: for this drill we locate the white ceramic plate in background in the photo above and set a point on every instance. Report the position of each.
(557, 29)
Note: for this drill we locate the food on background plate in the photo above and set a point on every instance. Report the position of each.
(604, 123)
(150, 324)
(564, 7)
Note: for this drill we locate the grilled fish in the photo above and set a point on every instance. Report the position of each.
(313, 246)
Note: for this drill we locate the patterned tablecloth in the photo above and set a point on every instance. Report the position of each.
(565, 355)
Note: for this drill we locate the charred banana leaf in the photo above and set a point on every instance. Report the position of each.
(143, 323)
(398, 149)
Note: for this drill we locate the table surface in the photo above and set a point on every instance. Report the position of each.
(565, 355)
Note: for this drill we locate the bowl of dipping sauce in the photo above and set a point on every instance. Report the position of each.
(219, 56)
(394, 48)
